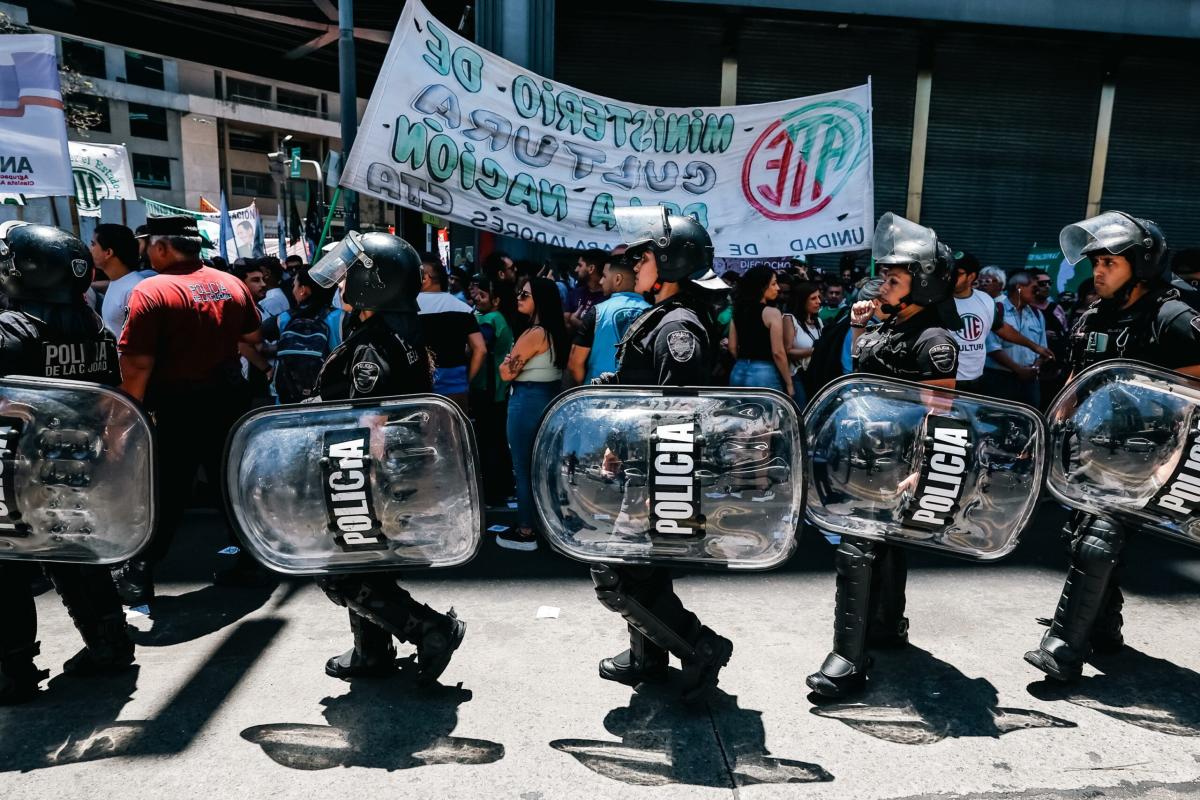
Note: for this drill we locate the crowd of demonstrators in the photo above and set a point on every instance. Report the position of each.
(594, 348)
(1011, 370)
(451, 333)
(983, 324)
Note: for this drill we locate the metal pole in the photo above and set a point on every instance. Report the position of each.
(349, 98)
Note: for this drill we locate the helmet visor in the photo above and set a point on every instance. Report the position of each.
(1110, 232)
(641, 226)
(901, 241)
(334, 265)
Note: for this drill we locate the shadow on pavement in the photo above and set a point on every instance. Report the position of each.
(185, 617)
(386, 724)
(914, 698)
(664, 741)
(75, 719)
(1136, 688)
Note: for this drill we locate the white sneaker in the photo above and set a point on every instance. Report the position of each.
(513, 539)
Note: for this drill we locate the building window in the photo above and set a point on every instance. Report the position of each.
(84, 58)
(255, 94)
(296, 102)
(143, 70)
(92, 109)
(251, 141)
(251, 184)
(148, 122)
(151, 172)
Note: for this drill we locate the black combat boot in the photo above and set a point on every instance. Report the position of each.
(19, 676)
(1067, 643)
(107, 647)
(438, 636)
(643, 661)
(701, 672)
(135, 582)
(844, 671)
(373, 654)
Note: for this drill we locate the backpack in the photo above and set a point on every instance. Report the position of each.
(304, 344)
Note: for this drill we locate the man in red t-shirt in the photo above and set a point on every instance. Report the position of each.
(179, 356)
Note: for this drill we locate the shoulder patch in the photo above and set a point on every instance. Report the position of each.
(365, 375)
(1196, 323)
(943, 357)
(682, 345)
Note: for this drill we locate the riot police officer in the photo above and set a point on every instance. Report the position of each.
(382, 354)
(1140, 315)
(44, 273)
(670, 344)
(915, 343)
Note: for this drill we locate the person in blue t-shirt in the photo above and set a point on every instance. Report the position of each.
(594, 350)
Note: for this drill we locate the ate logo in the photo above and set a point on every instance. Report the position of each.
(802, 160)
(972, 327)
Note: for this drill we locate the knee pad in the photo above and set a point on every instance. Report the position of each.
(609, 591)
(1099, 542)
(853, 556)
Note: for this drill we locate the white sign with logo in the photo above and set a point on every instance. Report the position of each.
(33, 128)
(101, 172)
(456, 131)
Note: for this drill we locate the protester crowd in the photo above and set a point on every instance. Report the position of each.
(508, 336)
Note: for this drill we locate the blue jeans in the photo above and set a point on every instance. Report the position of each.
(761, 374)
(529, 399)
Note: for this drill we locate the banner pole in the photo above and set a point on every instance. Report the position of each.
(328, 218)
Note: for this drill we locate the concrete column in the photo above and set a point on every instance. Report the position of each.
(201, 159)
(1108, 95)
(920, 136)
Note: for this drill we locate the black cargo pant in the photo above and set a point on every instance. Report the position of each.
(191, 426)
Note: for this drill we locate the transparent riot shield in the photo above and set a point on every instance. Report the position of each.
(374, 484)
(76, 472)
(675, 476)
(1125, 441)
(928, 467)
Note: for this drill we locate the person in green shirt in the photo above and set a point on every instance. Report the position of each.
(489, 393)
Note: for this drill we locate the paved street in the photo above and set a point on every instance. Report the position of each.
(230, 699)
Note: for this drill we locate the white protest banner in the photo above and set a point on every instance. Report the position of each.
(101, 172)
(243, 220)
(459, 132)
(33, 128)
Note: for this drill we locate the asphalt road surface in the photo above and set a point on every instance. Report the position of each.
(230, 699)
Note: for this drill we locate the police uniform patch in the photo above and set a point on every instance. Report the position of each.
(1196, 324)
(942, 357)
(79, 267)
(365, 375)
(682, 345)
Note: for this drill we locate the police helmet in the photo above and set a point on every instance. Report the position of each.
(41, 262)
(382, 272)
(680, 244)
(899, 242)
(1118, 233)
